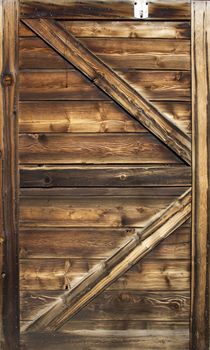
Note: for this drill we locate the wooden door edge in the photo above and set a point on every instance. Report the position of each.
(9, 182)
(199, 320)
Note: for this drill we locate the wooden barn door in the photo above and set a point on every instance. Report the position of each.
(106, 250)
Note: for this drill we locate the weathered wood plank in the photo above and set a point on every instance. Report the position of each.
(71, 85)
(73, 50)
(122, 340)
(116, 325)
(117, 306)
(122, 29)
(77, 116)
(63, 274)
(112, 305)
(201, 179)
(94, 116)
(9, 296)
(103, 275)
(58, 85)
(70, 192)
(74, 176)
(94, 149)
(94, 243)
(173, 10)
(92, 210)
(119, 53)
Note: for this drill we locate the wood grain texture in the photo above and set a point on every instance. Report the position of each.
(94, 243)
(92, 116)
(118, 53)
(103, 275)
(122, 29)
(173, 10)
(95, 176)
(115, 325)
(9, 295)
(130, 209)
(201, 179)
(64, 274)
(117, 306)
(94, 149)
(71, 85)
(77, 117)
(154, 339)
(70, 48)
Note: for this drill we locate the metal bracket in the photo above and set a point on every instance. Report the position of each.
(141, 9)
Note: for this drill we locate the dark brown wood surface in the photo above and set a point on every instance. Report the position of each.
(116, 52)
(90, 9)
(98, 176)
(92, 176)
(69, 47)
(104, 274)
(9, 288)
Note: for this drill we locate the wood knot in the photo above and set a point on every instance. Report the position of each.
(7, 79)
(123, 177)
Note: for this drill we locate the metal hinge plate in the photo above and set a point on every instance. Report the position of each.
(141, 9)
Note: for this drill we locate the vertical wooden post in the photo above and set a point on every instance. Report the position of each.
(9, 310)
(201, 163)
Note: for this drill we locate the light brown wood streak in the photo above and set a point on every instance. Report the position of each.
(201, 179)
(104, 148)
(92, 116)
(119, 210)
(9, 290)
(70, 48)
(160, 227)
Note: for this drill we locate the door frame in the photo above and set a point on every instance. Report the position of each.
(9, 175)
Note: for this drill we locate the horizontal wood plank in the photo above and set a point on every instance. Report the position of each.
(94, 243)
(90, 211)
(94, 149)
(173, 10)
(74, 325)
(119, 53)
(94, 116)
(62, 274)
(117, 306)
(122, 29)
(76, 192)
(147, 340)
(77, 116)
(74, 176)
(72, 85)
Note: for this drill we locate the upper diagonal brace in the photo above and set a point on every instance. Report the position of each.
(113, 85)
(105, 273)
